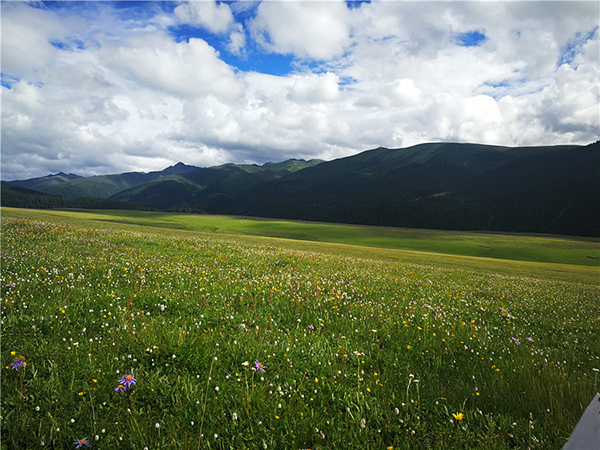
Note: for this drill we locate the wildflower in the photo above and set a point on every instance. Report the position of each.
(234, 416)
(245, 363)
(81, 442)
(127, 381)
(530, 339)
(17, 364)
(311, 327)
(516, 341)
(458, 416)
(120, 388)
(259, 366)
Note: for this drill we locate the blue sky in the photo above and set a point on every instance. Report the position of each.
(107, 87)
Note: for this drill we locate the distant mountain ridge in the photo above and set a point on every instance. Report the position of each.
(47, 182)
(545, 189)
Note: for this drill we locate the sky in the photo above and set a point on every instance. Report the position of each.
(94, 88)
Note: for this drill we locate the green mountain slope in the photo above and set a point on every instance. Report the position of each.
(19, 197)
(103, 186)
(446, 186)
(217, 188)
(548, 189)
(42, 183)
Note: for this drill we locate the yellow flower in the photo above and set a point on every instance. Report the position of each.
(316, 380)
(458, 416)
(408, 347)
(80, 394)
(13, 353)
(390, 448)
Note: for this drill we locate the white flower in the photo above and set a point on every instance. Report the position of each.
(245, 363)
(157, 425)
(217, 388)
(234, 416)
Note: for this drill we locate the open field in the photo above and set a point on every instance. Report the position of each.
(360, 347)
(562, 258)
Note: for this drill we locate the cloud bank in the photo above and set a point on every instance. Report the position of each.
(107, 87)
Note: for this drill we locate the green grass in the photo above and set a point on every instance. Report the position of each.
(535, 248)
(360, 351)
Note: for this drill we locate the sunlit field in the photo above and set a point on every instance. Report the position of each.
(123, 339)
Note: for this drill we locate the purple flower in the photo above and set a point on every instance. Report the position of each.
(259, 366)
(311, 327)
(81, 442)
(127, 381)
(17, 364)
(516, 341)
(530, 339)
(120, 388)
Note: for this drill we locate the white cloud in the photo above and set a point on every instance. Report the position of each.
(215, 17)
(237, 41)
(186, 68)
(316, 30)
(315, 88)
(27, 34)
(120, 93)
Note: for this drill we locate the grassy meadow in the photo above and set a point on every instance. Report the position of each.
(245, 342)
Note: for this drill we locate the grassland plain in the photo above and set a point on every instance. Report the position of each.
(254, 343)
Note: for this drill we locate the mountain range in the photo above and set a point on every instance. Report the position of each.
(545, 189)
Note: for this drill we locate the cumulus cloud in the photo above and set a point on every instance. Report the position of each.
(318, 30)
(184, 68)
(27, 37)
(237, 41)
(215, 17)
(94, 90)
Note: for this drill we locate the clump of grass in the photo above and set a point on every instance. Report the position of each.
(233, 345)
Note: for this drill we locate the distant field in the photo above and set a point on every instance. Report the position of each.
(249, 342)
(562, 258)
